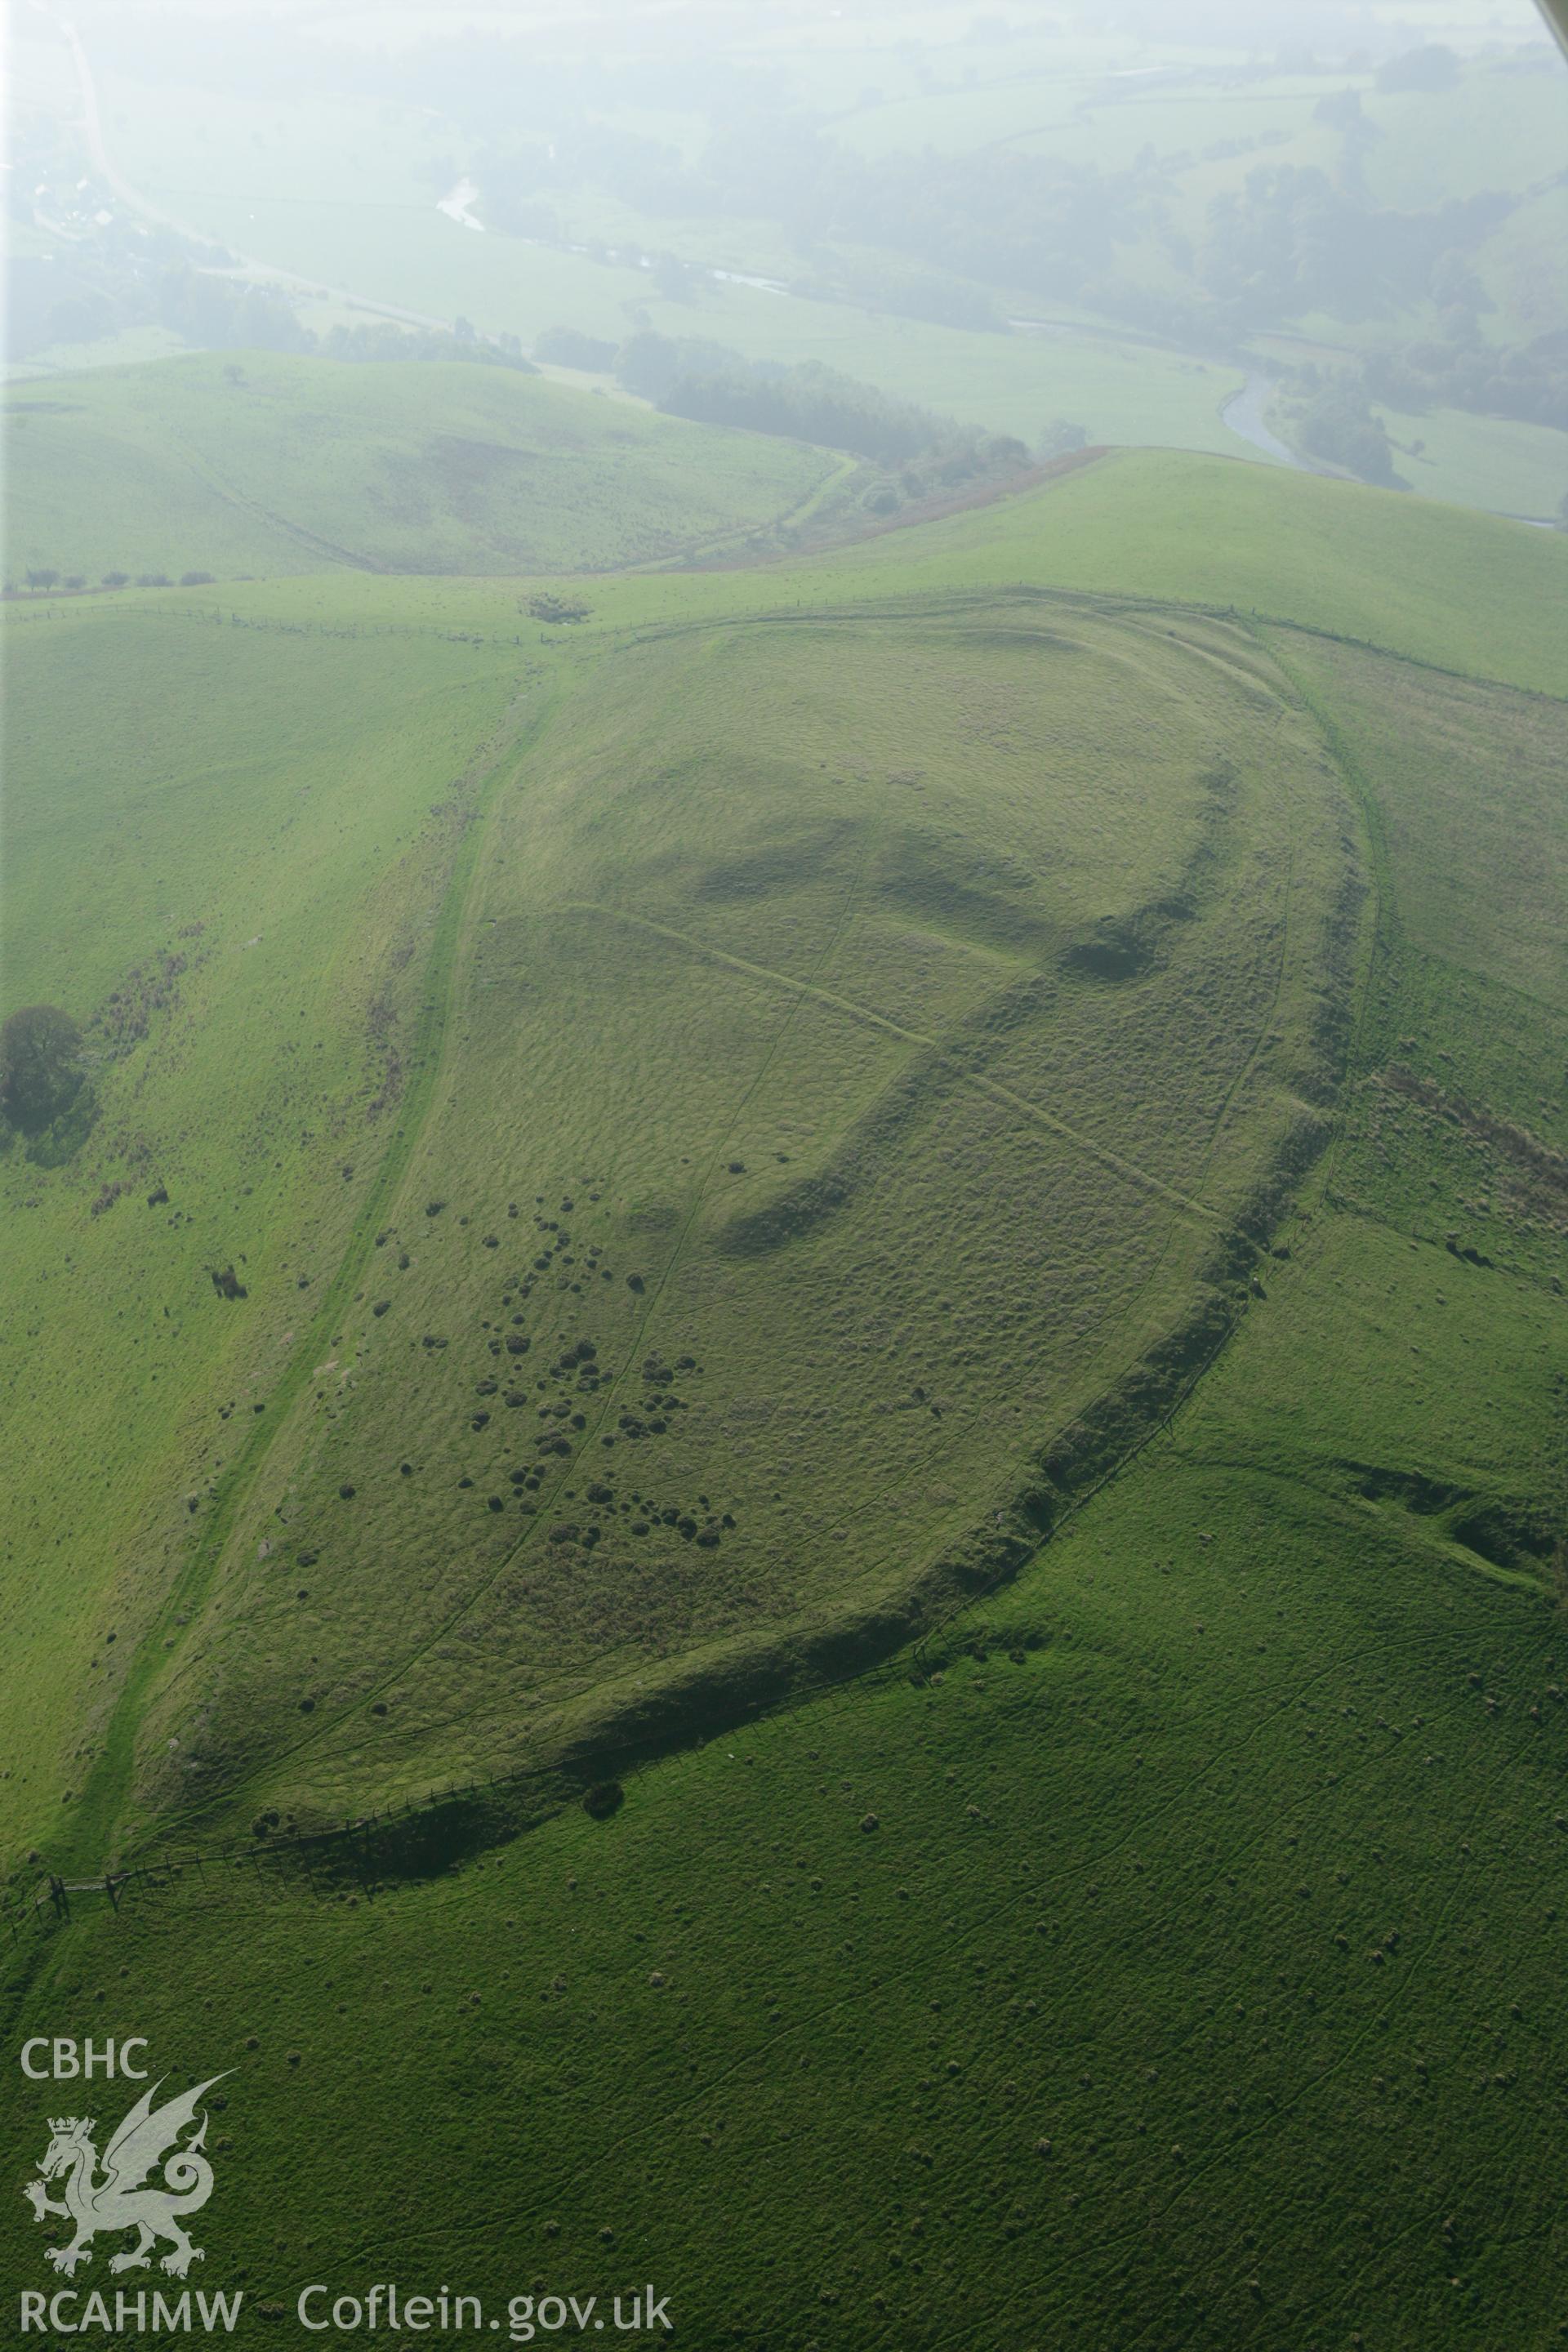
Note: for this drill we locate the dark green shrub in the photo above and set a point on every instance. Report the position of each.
(40, 1067)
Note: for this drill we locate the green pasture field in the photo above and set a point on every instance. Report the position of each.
(1377, 565)
(280, 865)
(1119, 393)
(1196, 1979)
(1491, 462)
(1443, 585)
(1028, 1057)
(1274, 120)
(307, 147)
(1008, 383)
(260, 464)
(1454, 793)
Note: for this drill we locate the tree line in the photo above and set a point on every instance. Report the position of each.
(710, 383)
(42, 580)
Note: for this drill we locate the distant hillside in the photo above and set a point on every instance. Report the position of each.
(258, 463)
(1465, 592)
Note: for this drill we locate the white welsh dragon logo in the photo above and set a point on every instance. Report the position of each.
(117, 2200)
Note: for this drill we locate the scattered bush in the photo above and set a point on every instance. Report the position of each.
(559, 611)
(41, 1071)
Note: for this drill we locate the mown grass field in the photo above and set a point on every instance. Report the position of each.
(268, 466)
(1015, 968)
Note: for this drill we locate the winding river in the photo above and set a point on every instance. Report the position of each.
(1243, 413)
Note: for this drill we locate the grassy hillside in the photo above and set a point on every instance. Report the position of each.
(758, 1016)
(1016, 1138)
(1467, 593)
(1463, 591)
(248, 990)
(841, 961)
(262, 464)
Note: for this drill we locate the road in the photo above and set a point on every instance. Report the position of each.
(241, 264)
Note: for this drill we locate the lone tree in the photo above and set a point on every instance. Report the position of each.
(40, 1070)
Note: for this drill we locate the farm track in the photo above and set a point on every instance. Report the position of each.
(21, 611)
(400, 1667)
(97, 1812)
(1126, 1170)
(1264, 1025)
(725, 551)
(925, 510)
(311, 542)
